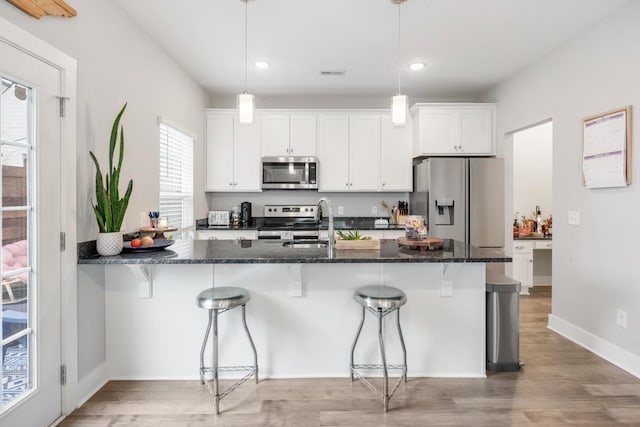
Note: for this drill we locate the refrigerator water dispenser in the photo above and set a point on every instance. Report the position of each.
(444, 212)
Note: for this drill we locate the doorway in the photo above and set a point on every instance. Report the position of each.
(532, 206)
(30, 148)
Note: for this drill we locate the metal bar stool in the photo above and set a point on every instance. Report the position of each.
(217, 301)
(380, 300)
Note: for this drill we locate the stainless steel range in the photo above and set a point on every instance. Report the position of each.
(289, 222)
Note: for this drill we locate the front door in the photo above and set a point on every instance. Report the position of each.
(30, 130)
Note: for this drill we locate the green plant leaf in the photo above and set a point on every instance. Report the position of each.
(110, 208)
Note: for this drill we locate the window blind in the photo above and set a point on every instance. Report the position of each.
(176, 177)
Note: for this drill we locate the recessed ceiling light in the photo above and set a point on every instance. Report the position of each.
(262, 65)
(416, 66)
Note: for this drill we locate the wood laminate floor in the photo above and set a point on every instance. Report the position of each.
(561, 384)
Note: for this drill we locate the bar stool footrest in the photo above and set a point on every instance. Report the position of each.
(229, 368)
(372, 387)
(252, 371)
(378, 367)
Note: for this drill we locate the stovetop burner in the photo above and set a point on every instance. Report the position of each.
(294, 218)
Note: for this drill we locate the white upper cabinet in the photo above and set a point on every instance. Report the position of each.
(454, 129)
(233, 153)
(349, 150)
(364, 152)
(395, 156)
(333, 152)
(303, 134)
(288, 135)
(274, 134)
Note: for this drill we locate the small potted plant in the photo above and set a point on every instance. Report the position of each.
(110, 207)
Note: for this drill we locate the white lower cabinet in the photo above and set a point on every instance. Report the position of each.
(226, 234)
(523, 264)
(524, 259)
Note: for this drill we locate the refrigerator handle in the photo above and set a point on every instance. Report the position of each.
(467, 192)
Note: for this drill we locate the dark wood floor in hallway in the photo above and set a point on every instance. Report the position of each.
(561, 384)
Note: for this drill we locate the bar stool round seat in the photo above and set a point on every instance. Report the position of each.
(380, 297)
(222, 298)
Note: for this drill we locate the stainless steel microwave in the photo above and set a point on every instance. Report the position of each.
(290, 173)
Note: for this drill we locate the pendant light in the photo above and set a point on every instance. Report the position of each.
(245, 100)
(399, 101)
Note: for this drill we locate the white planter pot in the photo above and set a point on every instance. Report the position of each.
(109, 243)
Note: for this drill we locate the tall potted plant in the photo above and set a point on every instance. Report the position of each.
(110, 207)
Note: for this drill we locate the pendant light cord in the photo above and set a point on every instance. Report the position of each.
(398, 62)
(246, 4)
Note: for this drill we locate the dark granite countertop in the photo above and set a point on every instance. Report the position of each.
(340, 223)
(273, 252)
(533, 238)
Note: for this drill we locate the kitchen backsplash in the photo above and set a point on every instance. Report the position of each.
(355, 204)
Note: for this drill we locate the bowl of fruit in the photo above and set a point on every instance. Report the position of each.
(146, 244)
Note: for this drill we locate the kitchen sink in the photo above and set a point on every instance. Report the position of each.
(316, 244)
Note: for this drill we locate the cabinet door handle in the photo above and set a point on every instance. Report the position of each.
(519, 247)
(231, 184)
(291, 150)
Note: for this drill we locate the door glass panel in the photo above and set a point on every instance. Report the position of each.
(16, 118)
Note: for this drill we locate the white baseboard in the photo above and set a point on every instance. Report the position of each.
(542, 281)
(89, 384)
(608, 351)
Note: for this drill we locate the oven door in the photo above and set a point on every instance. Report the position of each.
(289, 173)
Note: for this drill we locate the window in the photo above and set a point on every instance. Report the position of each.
(176, 177)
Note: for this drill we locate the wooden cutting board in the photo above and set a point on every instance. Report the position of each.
(358, 244)
(427, 244)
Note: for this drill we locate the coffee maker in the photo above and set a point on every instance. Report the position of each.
(245, 213)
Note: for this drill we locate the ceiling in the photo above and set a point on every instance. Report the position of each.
(469, 45)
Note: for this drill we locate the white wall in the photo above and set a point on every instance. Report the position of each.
(355, 204)
(595, 264)
(118, 63)
(532, 170)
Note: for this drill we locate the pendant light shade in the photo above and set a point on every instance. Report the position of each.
(399, 110)
(245, 101)
(246, 108)
(399, 102)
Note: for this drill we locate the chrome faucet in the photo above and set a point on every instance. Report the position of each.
(330, 209)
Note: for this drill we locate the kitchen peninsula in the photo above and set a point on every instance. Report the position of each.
(301, 314)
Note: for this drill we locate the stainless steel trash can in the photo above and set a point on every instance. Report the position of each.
(503, 324)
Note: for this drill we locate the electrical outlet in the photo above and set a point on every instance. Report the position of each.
(340, 210)
(621, 318)
(573, 217)
(446, 288)
(374, 210)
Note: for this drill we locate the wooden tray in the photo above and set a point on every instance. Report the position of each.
(426, 244)
(358, 244)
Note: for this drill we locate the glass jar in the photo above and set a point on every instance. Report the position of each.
(414, 227)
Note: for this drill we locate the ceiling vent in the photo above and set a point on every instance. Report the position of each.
(333, 73)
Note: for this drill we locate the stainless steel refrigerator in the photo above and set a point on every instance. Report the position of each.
(461, 199)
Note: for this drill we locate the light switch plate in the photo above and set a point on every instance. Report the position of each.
(340, 210)
(573, 217)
